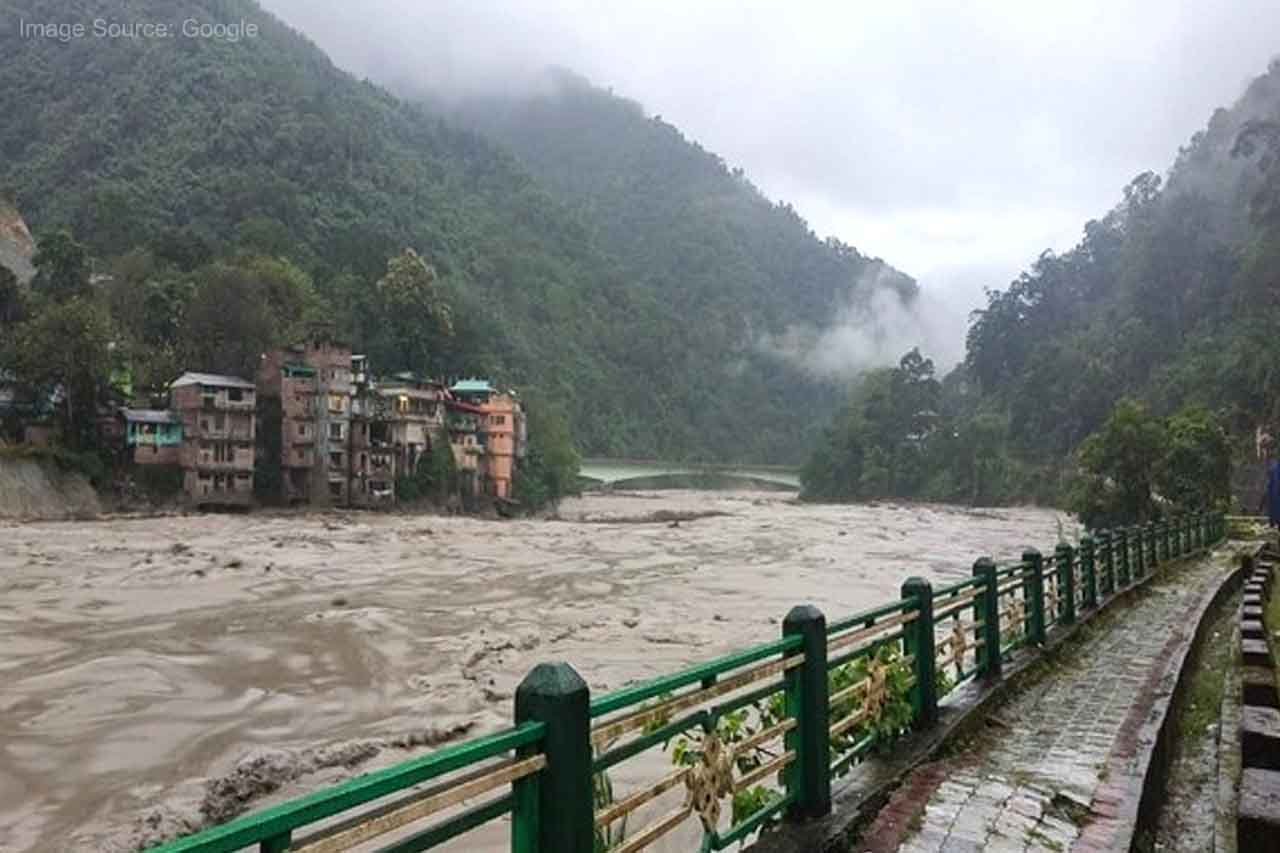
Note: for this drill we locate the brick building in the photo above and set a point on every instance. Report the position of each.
(307, 394)
(218, 428)
(374, 460)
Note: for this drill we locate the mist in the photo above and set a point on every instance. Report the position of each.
(874, 328)
(957, 142)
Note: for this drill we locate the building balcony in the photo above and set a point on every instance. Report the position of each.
(221, 405)
(244, 435)
(225, 466)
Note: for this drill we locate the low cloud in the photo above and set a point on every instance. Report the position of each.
(874, 328)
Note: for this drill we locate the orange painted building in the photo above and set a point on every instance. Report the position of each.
(499, 434)
(500, 415)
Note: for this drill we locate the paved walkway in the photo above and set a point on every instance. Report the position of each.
(1055, 763)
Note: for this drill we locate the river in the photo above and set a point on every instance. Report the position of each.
(145, 657)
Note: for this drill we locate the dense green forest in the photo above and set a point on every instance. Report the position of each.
(190, 169)
(1155, 334)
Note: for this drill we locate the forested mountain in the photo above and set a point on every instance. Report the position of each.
(1171, 299)
(635, 303)
(693, 239)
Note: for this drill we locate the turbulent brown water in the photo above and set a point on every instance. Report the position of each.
(271, 654)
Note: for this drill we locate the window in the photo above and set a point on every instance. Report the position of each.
(335, 460)
(498, 420)
(204, 424)
(302, 430)
(235, 395)
(335, 490)
(219, 422)
(299, 453)
(337, 403)
(335, 431)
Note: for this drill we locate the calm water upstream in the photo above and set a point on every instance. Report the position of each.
(143, 657)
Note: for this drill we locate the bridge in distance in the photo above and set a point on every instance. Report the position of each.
(634, 473)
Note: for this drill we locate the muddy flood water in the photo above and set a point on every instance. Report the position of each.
(159, 672)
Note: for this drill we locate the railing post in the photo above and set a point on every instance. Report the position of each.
(556, 696)
(1201, 539)
(1151, 544)
(1185, 535)
(1087, 573)
(918, 642)
(807, 702)
(1166, 553)
(1033, 593)
(987, 611)
(1107, 544)
(1122, 545)
(1064, 559)
(1139, 552)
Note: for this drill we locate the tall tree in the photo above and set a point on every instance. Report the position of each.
(411, 316)
(1119, 468)
(64, 353)
(62, 267)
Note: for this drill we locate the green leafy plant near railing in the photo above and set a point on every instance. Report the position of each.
(732, 729)
(895, 714)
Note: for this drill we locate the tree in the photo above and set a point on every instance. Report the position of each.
(1194, 473)
(878, 444)
(62, 267)
(410, 316)
(1118, 468)
(437, 474)
(11, 297)
(241, 309)
(549, 470)
(65, 351)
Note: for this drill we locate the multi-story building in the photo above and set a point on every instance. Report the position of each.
(415, 409)
(500, 434)
(313, 384)
(465, 421)
(287, 400)
(335, 389)
(218, 428)
(373, 454)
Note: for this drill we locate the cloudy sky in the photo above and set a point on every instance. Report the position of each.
(955, 140)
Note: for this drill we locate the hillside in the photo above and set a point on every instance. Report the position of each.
(1172, 299)
(643, 325)
(697, 239)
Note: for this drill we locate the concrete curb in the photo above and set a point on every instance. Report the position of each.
(1139, 761)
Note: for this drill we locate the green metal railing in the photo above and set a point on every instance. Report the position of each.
(767, 729)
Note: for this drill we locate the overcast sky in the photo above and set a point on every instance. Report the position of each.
(957, 140)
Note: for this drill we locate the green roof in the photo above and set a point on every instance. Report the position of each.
(472, 386)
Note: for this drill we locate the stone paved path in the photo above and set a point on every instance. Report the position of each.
(1048, 765)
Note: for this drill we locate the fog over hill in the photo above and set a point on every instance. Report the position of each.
(956, 141)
